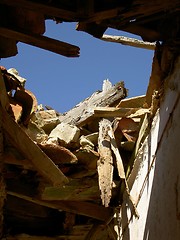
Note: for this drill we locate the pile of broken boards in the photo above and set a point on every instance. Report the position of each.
(64, 173)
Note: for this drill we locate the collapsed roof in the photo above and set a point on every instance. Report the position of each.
(62, 186)
(24, 21)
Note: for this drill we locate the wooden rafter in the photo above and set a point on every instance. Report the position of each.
(42, 163)
(43, 42)
(42, 8)
(78, 207)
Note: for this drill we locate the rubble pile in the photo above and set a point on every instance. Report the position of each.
(67, 171)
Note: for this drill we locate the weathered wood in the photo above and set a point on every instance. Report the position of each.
(78, 207)
(155, 81)
(2, 182)
(43, 42)
(115, 150)
(77, 190)
(84, 111)
(31, 151)
(105, 162)
(32, 237)
(129, 41)
(4, 100)
(78, 232)
(42, 8)
(113, 112)
(133, 102)
(9, 158)
(5, 104)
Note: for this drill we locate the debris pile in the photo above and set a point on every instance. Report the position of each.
(67, 170)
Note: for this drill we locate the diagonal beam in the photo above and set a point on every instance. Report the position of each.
(77, 207)
(41, 162)
(43, 42)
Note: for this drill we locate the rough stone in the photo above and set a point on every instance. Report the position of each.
(47, 120)
(65, 133)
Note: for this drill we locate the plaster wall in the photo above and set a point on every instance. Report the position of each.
(155, 179)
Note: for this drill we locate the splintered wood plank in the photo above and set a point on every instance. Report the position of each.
(77, 207)
(134, 102)
(31, 151)
(105, 162)
(43, 42)
(84, 111)
(129, 41)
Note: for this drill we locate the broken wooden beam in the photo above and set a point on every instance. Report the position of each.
(31, 151)
(105, 163)
(129, 41)
(107, 112)
(77, 207)
(2, 181)
(84, 111)
(43, 42)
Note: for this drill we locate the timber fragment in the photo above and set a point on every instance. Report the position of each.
(83, 113)
(105, 162)
(129, 41)
(31, 151)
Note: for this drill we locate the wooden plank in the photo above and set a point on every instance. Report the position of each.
(77, 207)
(133, 102)
(105, 162)
(129, 41)
(113, 112)
(31, 151)
(43, 8)
(4, 100)
(84, 111)
(2, 182)
(43, 42)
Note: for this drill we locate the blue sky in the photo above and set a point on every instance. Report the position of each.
(62, 82)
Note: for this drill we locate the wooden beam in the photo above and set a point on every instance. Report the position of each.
(113, 111)
(105, 163)
(43, 42)
(103, 15)
(41, 162)
(129, 41)
(77, 207)
(42, 8)
(84, 111)
(3, 98)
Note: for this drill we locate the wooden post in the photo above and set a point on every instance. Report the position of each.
(2, 183)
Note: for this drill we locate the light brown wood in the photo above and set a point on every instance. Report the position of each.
(105, 162)
(113, 112)
(129, 41)
(84, 111)
(43, 42)
(41, 162)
